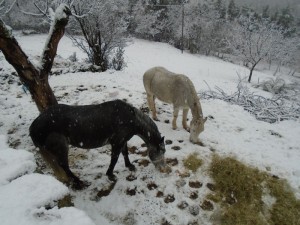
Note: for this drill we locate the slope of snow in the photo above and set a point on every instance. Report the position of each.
(229, 131)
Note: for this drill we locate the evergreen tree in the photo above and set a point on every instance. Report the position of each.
(274, 17)
(232, 11)
(286, 21)
(220, 8)
(266, 12)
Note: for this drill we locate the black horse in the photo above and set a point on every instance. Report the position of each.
(91, 126)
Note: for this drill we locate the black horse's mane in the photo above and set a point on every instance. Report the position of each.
(146, 121)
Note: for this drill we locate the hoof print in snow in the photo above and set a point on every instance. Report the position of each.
(182, 205)
(143, 153)
(81, 89)
(180, 183)
(159, 194)
(200, 144)
(207, 205)
(183, 174)
(167, 121)
(165, 222)
(212, 149)
(14, 143)
(180, 141)
(172, 162)
(195, 184)
(143, 145)
(169, 199)
(129, 219)
(193, 223)
(176, 148)
(193, 195)
(211, 186)
(151, 186)
(132, 149)
(194, 210)
(143, 162)
(131, 177)
(106, 190)
(131, 192)
(168, 142)
(210, 117)
(275, 134)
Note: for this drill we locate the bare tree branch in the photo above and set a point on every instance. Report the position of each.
(265, 109)
(9, 8)
(36, 78)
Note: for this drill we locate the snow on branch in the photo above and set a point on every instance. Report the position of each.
(4, 8)
(265, 109)
(56, 32)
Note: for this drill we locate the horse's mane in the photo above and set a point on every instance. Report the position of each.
(193, 100)
(145, 121)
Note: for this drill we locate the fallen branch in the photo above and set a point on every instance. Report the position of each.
(265, 109)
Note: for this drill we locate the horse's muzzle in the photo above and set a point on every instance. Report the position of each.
(161, 165)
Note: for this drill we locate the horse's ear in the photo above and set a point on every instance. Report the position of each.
(163, 139)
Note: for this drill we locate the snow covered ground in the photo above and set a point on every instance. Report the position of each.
(135, 198)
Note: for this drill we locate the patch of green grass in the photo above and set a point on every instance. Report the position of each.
(192, 162)
(240, 190)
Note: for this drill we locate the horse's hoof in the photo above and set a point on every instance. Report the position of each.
(131, 167)
(198, 143)
(79, 185)
(112, 177)
(187, 129)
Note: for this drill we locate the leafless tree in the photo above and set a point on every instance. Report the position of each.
(253, 40)
(36, 77)
(103, 27)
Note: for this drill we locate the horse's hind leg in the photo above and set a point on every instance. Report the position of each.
(128, 164)
(184, 119)
(151, 103)
(115, 152)
(55, 153)
(175, 115)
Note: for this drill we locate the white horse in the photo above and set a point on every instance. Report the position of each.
(176, 89)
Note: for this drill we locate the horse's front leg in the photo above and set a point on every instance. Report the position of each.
(175, 115)
(115, 152)
(128, 164)
(184, 119)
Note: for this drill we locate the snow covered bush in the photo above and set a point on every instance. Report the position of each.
(273, 85)
(73, 57)
(118, 62)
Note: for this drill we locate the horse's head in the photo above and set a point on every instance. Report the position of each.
(156, 154)
(196, 127)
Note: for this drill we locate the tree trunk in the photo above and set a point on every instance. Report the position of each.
(252, 69)
(250, 76)
(36, 80)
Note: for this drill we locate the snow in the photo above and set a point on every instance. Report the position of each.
(230, 131)
(24, 197)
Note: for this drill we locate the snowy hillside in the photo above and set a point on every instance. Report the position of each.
(144, 196)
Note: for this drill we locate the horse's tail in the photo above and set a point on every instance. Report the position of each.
(147, 79)
(33, 133)
(38, 132)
